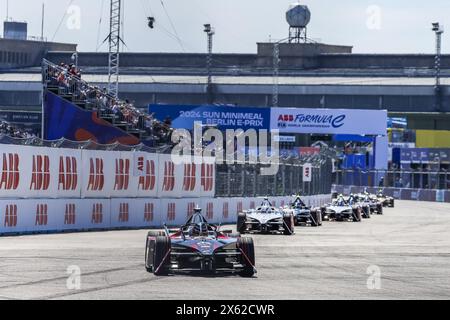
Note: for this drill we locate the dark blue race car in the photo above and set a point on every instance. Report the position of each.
(199, 246)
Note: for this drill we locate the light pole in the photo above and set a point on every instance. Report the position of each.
(209, 89)
(438, 30)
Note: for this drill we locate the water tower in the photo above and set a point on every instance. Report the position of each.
(298, 17)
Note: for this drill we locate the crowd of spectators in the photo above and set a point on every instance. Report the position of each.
(14, 131)
(68, 78)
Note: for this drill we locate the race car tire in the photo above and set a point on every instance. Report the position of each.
(288, 224)
(316, 218)
(357, 215)
(247, 256)
(323, 211)
(242, 218)
(148, 252)
(366, 214)
(379, 209)
(391, 204)
(161, 255)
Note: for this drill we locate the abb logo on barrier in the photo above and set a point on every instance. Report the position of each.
(11, 216)
(10, 172)
(207, 177)
(190, 209)
(171, 212)
(239, 206)
(189, 177)
(148, 181)
(68, 176)
(41, 215)
(124, 212)
(149, 211)
(252, 205)
(96, 175)
(210, 211)
(122, 174)
(40, 175)
(70, 214)
(225, 210)
(97, 213)
(169, 176)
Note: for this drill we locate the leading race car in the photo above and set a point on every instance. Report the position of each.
(304, 215)
(341, 210)
(199, 246)
(266, 219)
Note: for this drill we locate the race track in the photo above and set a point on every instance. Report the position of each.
(409, 244)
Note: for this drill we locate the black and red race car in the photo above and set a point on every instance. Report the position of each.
(199, 246)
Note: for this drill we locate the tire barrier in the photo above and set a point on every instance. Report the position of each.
(399, 193)
(25, 216)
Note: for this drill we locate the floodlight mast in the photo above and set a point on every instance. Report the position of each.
(209, 89)
(114, 47)
(438, 30)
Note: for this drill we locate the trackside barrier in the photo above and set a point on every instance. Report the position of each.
(42, 172)
(399, 193)
(21, 216)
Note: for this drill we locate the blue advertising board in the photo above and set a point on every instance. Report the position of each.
(224, 117)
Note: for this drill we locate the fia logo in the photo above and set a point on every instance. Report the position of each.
(124, 212)
(10, 172)
(97, 213)
(40, 174)
(96, 175)
(68, 176)
(169, 176)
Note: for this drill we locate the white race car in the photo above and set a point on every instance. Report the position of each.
(265, 219)
(341, 210)
(304, 215)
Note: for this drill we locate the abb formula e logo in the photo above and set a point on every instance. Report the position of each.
(225, 210)
(97, 213)
(41, 215)
(70, 214)
(147, 181)
(311, 120)
(68, 176)
(171, 212)
(190, 209)
(149, 212)
(189, 177)
(10, 172)
(207, 177)
(122, 174)
(124, 212)
(209, 211)
(96, 175)
(40, 174)
(169, 176)
(10, 216)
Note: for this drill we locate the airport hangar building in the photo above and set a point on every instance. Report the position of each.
(311, 75)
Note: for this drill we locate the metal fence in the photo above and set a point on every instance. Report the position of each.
(410, 179)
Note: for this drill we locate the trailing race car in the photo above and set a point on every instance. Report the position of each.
(372, 201)
(361, 202)
(387, 201)
(199, 246)
(265, 219)
(341, 210)
(304, 215)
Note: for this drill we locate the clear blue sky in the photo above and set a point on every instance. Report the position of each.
(378, 26)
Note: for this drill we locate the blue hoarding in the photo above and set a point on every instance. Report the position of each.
(224, 117)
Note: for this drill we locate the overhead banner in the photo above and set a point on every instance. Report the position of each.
(329, 121)
(223, 117)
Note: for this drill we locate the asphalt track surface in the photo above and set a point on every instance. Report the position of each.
(409, 244)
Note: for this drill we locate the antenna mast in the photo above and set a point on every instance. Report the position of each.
(114, 47)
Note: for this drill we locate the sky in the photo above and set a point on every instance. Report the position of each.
(377, 26)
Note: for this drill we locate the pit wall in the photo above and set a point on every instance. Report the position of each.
(25, 216)
(400, 193)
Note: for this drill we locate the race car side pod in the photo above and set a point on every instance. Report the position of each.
(248, 260)
(163, 261)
